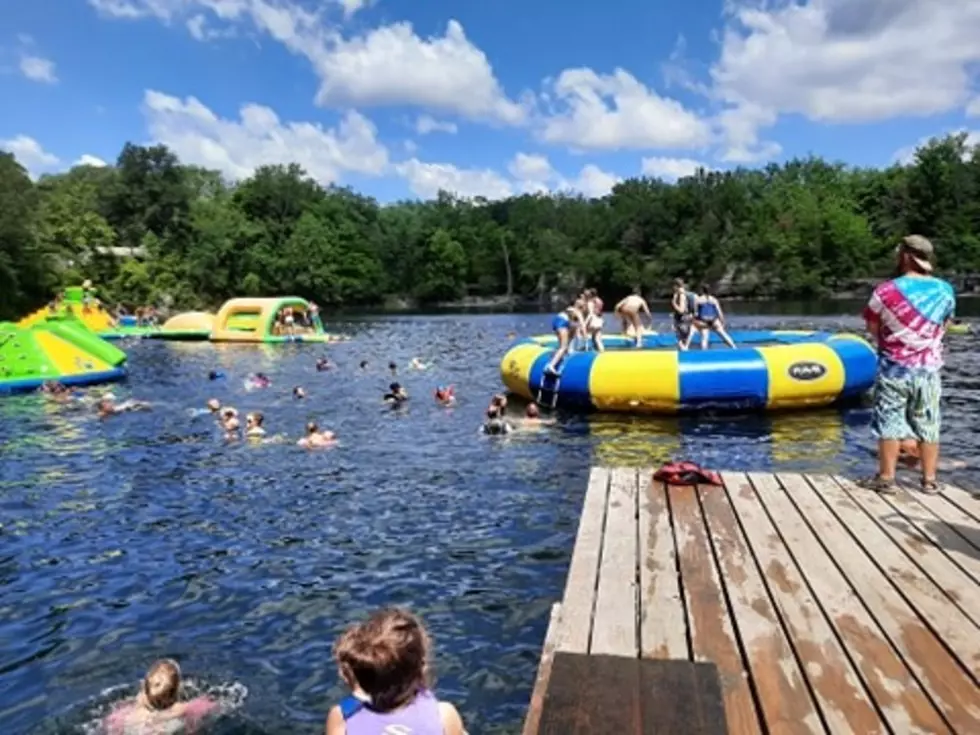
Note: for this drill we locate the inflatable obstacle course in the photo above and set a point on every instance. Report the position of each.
(261, 320)
(766, 371)
(64, 351)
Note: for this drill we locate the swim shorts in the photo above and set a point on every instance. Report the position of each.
(594, 324)
(907, 405)
(682, 326)
(560, 321)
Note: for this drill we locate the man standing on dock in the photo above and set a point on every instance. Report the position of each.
(907, 317)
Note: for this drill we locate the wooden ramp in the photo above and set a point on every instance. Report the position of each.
(826, 608)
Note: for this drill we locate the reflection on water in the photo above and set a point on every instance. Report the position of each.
(146, 535)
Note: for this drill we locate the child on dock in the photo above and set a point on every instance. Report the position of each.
(385, 662)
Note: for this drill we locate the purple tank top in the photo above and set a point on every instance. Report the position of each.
(421, 717)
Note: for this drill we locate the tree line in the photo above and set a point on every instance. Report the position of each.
(150, 230)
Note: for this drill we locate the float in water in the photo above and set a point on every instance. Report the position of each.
(260, 320)
(766, 371)
(65, 351)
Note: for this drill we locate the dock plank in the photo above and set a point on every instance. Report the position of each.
(960, 551)
(712, 632)
(836, 684)
(967, 501)
(575, 620)
(887, 678)
(955, 517)
(616, 615)
(951, 581)
(919, 591)
(663, 619)
(945, 682)
(532, 720)
(782, 692)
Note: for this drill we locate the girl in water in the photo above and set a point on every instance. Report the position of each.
(566, 324)
(157, 709)
(385, 662)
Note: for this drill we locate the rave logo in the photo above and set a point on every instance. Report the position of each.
(806, 370)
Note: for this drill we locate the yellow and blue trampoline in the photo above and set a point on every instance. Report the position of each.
(767, 371)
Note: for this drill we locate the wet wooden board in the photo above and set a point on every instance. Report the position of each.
(824, 607)
(598, 693)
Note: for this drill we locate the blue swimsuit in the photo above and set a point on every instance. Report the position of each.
(561, 321)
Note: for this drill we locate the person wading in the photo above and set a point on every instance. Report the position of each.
(907, 317)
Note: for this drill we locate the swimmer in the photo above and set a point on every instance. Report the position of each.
(393, 368)
(231, 428)
(215, 375)
(499, 400)
(315, 438)
(107, 406)
(417, 364)
(157, 707)
(298, 393)
(396, 395)
(532, 418)
(258, 380)
(323, 364)
(495, 423)
(214, 405)
(446, 396)
(253, 425)
(364, 364)
(629, 310)
(55, 391)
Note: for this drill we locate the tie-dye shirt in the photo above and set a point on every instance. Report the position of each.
(912, 312)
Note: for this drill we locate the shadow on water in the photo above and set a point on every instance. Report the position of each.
(146, 535)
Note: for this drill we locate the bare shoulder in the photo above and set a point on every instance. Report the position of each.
(452, 723)
(335, 722)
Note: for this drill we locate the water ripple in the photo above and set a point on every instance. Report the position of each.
(146, 535)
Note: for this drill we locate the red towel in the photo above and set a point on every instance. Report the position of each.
(686, 473)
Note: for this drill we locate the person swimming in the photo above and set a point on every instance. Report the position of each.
(396, 395)
(215, 375)
(385, 662)
(363, 365)
(214, 406)
(299, 393)
(446, 396)
(253, 425)
(393, 368)
(257, 380)
(108, 406)
(532, 418)
(495, 423)
(316, 438)
(323, 364)
(157, 707)
(417, 364)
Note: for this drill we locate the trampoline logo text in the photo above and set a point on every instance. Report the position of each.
(807, 370)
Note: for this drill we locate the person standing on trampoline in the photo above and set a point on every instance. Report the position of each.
(708, 318)
(566, 324)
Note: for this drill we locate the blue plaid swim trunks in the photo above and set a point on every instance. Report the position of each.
(906, 405)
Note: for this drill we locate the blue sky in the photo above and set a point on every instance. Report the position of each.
(400, 98)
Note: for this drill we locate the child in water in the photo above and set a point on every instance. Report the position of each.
(446, 396)
(396, 395)
(157, 709)
(317, 439)
(385, 662)
(253, 425)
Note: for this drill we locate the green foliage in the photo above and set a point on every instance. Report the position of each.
(151, 230)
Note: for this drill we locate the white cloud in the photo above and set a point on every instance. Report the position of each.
(30, 154)
(670, 169)
(38, 69)
(841, 61)
(973, 109)
(391, 65)
(89, 160)
(616, 111)
(535, 174)
(427, 179)
(238, 147)
(352, 6)
(388, 65)
(427, 124)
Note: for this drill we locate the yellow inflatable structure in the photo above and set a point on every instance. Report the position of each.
(270, 320)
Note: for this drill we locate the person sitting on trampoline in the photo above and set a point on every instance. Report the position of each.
(708, 318)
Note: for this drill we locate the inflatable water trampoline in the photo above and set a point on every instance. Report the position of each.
(65, 351)
(767, 371)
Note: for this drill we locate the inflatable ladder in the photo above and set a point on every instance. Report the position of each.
(555, 380)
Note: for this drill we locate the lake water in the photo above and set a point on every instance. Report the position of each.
(145, 535)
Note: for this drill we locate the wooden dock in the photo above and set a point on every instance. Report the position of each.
(825, 608)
